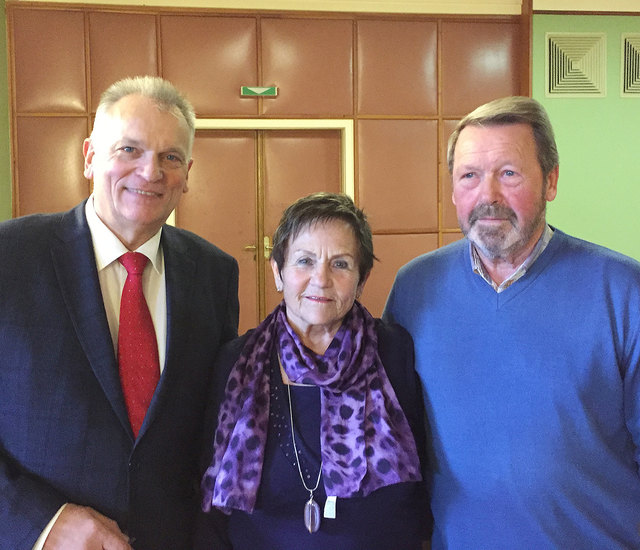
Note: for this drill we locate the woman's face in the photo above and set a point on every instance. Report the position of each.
(320, 278)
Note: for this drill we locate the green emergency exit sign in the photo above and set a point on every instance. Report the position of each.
(263, 91)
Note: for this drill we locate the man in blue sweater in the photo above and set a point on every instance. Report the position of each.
(528, 346)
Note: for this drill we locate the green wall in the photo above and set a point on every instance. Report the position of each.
(598, 141)
(5, 156)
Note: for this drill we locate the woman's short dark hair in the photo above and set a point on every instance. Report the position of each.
(320, 208)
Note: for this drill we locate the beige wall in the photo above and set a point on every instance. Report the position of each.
(587, 5)
(511, 7)
(493, 7)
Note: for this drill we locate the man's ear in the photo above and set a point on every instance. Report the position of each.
(88, 152)
(552, 184)
(186, 179)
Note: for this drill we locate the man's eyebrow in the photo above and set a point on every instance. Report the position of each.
(178, 150)
(124, 140)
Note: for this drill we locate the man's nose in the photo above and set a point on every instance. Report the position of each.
(149, 167)
(490, 189)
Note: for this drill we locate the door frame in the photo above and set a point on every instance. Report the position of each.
(345, 126)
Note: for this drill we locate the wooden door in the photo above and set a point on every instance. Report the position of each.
(240, 183)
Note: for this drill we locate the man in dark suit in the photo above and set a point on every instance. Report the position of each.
(76, 471)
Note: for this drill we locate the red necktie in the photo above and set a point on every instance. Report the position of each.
(137, 345)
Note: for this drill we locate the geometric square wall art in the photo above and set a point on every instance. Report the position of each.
(630, 70)
(576, 64)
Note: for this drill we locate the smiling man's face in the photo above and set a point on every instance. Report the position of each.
(138, 157)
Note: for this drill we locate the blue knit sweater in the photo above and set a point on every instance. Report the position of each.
(532, 395)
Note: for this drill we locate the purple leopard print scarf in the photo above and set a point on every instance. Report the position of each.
(366, 442)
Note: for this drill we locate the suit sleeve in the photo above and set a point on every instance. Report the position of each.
(397, 355)
(396, 352)
(231, 318)
(26, 506)
(27, 503)
(211, 527)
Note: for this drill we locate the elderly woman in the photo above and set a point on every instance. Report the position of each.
(320, 431)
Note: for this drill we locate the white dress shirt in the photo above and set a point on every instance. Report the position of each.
(112, 275)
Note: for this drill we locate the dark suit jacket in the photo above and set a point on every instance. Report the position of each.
(64, 431)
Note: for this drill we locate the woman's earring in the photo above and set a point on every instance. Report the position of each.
(278, 288)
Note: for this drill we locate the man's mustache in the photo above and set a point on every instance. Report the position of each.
(492, 211)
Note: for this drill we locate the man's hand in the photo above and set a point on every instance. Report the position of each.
(82, 528)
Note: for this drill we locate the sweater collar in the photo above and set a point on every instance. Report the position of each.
(479, 269)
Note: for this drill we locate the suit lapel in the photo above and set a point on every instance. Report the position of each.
(74, 262)
(180, 269)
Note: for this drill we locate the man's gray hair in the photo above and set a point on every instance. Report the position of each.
(159, 90)
(513, 110)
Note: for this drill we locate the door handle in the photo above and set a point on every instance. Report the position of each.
(267, 247)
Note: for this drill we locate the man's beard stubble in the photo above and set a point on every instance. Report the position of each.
(500, 242)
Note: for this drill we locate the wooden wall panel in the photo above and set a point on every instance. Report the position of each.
(311, 61)
(393, 251)
(50, 163)
(297, 163)
(209, 58)
(483, 66)
(49, 61)
(120, 45)
(397, 68)
(448, 238)
(397, 182)
(449, 217)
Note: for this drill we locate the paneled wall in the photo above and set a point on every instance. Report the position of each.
(404, 81)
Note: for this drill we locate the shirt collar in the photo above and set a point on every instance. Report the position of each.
(479, 268)
(108, 248)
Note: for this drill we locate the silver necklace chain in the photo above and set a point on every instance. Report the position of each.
(295, 449)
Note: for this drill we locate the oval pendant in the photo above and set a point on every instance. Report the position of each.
(312, 516)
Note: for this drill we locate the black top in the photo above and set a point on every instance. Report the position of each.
(395, 516)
